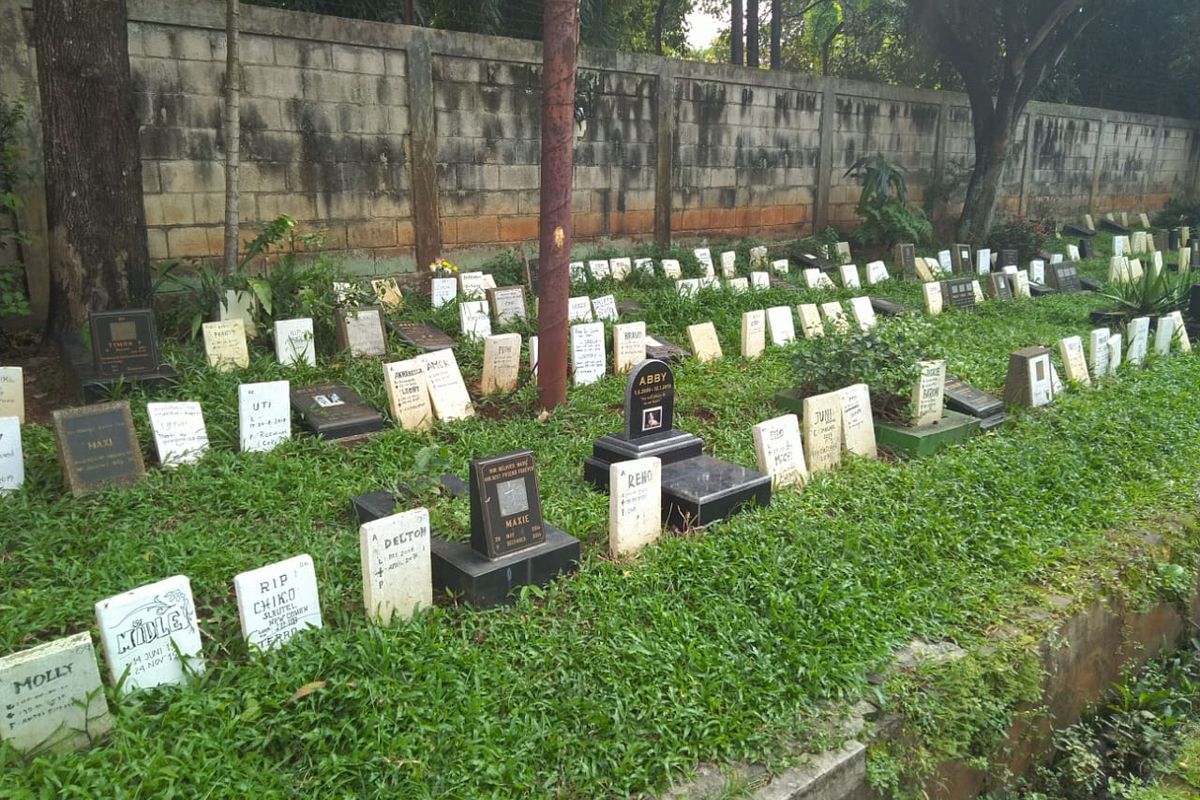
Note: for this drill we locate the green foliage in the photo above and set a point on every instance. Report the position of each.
(14, 299)
(883, 204)
(1180, 210)
(1152, 295)
(1027, 236)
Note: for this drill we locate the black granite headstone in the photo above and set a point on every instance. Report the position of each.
(960, 258)
(966, 399)
(811, 259)
(421, 335)
(1063, 277)
(1087, 248)
(98, 447)
(1009, 258)
(1173, 238)
(124, 343)
(959, 293)
(1194, 302)
(1113, 227)
(649, 400)
(506, 508)
(1077, 229)
(888, 308)
(335, 411)
(704, 489)
(906, 258)
(1000, 286)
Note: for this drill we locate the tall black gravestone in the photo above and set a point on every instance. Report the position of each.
(511, 544)
(696, 488)
(124, 349)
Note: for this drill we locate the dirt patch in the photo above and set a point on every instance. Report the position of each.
(45, 383)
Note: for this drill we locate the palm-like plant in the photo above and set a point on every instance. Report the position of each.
(882, 181)
(1152, 295)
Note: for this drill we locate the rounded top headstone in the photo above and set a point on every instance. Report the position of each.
(649, 399)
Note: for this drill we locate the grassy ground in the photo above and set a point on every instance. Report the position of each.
(715, 645)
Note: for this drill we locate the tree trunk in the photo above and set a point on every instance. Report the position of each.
(776, 34)
(95, 216)
(736, 39)
(752, 33)
(659, 12)
(979, 209)
(233, 129)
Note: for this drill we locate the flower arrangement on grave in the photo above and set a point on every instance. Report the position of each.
(441, 268)
(886, 358)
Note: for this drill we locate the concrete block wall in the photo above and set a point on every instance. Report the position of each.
(407, 143)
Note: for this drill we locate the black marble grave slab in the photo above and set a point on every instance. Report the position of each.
(421, 335)
(668, 446)
(485, 583)
(124, 343)
(704, 489)
(1087, 248)
(335, 411)
(1193, 310)
(1174, 236)
(1063, 277)
(889, 308)
(1090, 284)
(1009, 258)
(966, 399)
(1039, 289)
(86, 386)
(1114, 227)
(1078, 229)
(506, 506)
(810, 259)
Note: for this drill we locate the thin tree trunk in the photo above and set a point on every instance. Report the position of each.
(979, 209)
(559, 55)
(233, 91)
(659, 13)
(752, 33)
(776, 34)
(95, 216)
(736, 38)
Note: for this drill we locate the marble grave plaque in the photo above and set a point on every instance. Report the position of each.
(278, 601)
(180, 436)
(397, 565)
(97, 447)
(150, 635)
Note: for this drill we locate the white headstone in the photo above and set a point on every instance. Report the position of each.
(977, 290)
(341, 292)
(599, 268)
(278, 601)
(754, 333)
(442, 291)
(931, 293)
(620, 267)
(1115, 349)
(179, 433)
(588, 359)
(738, 285)
(605, 307)
(760, 280)
(1055, 258)
(816, 279)
(1070, 349)
(849, 275)
(474, 320)
(876, 273)
(1072, 253)
(1139, 334)
(408, 394)
(710, 282)
(811, 324)
(364, 331)
(579, 309)
(577, 271)
(225, 344)
(1142, 218)
(843, 252)
(704, 256)
(1098, 352)
(758, 257)
(1164, 334)
(780, 265)
(508, 304)
(474, 285)
(822, 431)
(12, 456)
(1037, 270)
(1181, 336)
(629, 346)
(983, 261)
(397, 565)
(672, 269)
(1041, 379)
(833, 312)
(1135, 270)
(12, 393)
(705, 344)
(858, 423)
(644, 265)
(945, 262)
(52, 698)
(779, 450)
(634, 505)
(929, 393)
(264, 414)
(239, 305)
(728, 263)
(149, 633)
(863, 311)
(533, 355)
(447, 390)
(294, 342)
(501, 363)
(781, 325)
(1021, 284)
(687, 287)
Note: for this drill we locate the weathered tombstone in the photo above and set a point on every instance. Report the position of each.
(864, 313)
(858, 423)
(474, 285)
(361, 331)
(12, 456)
(662, 350)
(810, 320)
(849, 275)
(1020, 284)
(508, 304)
(620, 268)
(179, 433)
(238, 304)
(931, 293)
(1136, 273)
(422, 336)
(473, 319)
(834, 314)
(1181, 336)
(905, 255)
(634, 505)
(1037, 270)
(780, 324)
(704, 341)
(1139, 333)
(822, 431)
(1115, 351)
(442, 291)
(12, 393)
(977, 291)
(758, 257)
(1185, 260)
(1074, 361)
(754, 333)
(1164, 334)
(577, 271)
(687, 287)
(264, 414)
(672, 269)
(225, 345)
(780, 266)
(579, 309)
(966, 399)
(294, 342)
(1144, 220)
(644, 265)
(387, 292)
(52, 697)
(1118, 269)
(876, 273)
(501, 363)
(711, 282)
(704, 256)
(150, 636)
(1088, 223)
(815, 279)
(605, 308)
(511, 545)
(97, 447)
(277, 601)
(629, 346)
(408, 394)
(124, 343)
(1064, 277)
(588, 359)
(1029, 381)
(396, 565)
(928, 398)
(447, 390)
(1072, 253)
(1087, 249)
(1098, 352)
(728, 264)
(945, 262)
(1000, 286)
(341, 292)
(760, 280)
(961, 255)
(334, 411)
(983, 261)
(780, 452)
(843, 252)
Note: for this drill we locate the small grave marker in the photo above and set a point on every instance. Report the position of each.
(97, 447)
(588, 360)
(179, 433)
(149, 634)
(704, 341)
(779, 450)
(396, 565)
(277, 601)
(634, 505)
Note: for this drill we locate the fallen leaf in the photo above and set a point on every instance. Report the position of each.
(307, 689)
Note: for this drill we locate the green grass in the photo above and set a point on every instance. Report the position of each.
(714, 646)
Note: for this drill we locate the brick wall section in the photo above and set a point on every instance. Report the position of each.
(330, 120)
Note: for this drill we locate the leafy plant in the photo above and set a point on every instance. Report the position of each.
(1152, 295)
(883, 204)
(1179, 210)
(1024, 234)
(14, 300)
